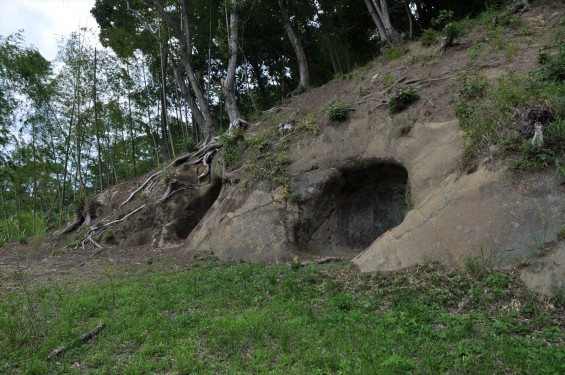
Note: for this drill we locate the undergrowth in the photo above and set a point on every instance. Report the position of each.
(503, 113)
(215, 318)
(263, 155)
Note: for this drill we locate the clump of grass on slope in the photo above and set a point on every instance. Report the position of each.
(314, 319)
(490, 113)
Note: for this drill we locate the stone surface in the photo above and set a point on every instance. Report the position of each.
(492, 212)
(546, 274)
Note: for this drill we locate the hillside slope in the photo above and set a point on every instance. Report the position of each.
(390, 190)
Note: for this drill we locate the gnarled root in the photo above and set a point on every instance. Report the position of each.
(202, 155)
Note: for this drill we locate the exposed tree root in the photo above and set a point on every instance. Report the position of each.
(143, 185)
(202, 155)
(96, 231)
(171, 189)
(77, 222)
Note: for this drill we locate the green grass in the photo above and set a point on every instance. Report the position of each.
(286, 320)
(489, 112)
(401, 100)
(337, 111)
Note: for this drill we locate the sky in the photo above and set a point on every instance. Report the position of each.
(45, 21)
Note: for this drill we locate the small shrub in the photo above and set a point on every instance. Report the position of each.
(475, 51)
(471, 86)
(388, 79)
(449, 29)
(233, 150)
(552, 66)
(109, 237)
(510, 52)
(308, 123)
(403, 98)
(393, 52)
(429, 37)
(561, 233)
(343, 302)
(337, 111)
(288, 194)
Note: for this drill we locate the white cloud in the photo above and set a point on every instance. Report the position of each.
(45, 21)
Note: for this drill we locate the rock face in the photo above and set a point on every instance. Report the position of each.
(391, 201)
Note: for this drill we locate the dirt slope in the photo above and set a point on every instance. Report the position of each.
(326, 187)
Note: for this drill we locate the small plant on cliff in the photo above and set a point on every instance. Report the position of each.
(561, 233)
(428, 37)
(401, 100)
(337, 111)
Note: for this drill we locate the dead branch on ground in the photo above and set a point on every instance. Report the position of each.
(82, 339)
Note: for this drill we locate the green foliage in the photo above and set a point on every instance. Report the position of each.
(401, 100)
(288, 194)
(449, 29)
(530, 157)
(109, 237)
(471, 85)
(552, 66)
(428, 37)
(254, 318)
(510, 51)
(475, 51)
(561, 233)
(308, 123)
(232, 147)
(393, 52)
(337, 111)
(488, 114)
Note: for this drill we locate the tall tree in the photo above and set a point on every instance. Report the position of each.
(297, 45)
(228, 84)
(379, 12)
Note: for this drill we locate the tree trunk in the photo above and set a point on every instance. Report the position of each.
(98, 148)
(164, 124)
(410, 21)
(186, 53)
(260, 84)
(148, 129)
(298, 50)
(131, 134)
(3, 189)
(376, 19)
(196, 113)
(379, 12)
(228, 84)
(185, 41)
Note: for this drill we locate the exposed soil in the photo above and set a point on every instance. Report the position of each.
(367, 89)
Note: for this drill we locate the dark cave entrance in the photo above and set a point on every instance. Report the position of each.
(369, 200)
(195, 211)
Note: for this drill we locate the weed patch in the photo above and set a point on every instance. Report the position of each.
(506, 112)
(401, 100)
(337, 111)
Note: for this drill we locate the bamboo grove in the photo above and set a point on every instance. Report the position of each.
(172, 74)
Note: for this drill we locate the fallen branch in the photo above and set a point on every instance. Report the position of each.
(91, 240)
(82, 339)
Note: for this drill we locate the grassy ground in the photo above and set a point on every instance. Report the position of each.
(215, 318)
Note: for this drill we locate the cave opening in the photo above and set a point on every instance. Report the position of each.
(196, 209)
(369, 200)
